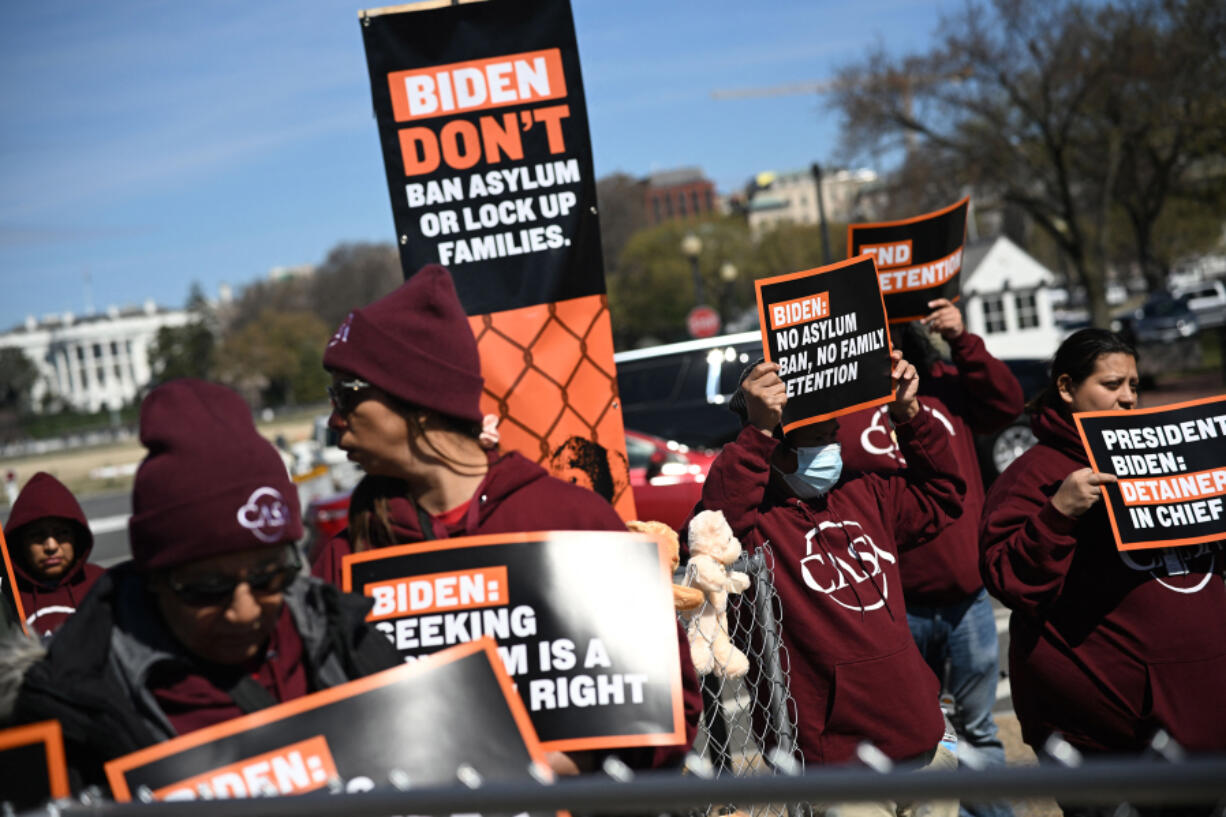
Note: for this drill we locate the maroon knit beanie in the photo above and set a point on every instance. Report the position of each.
(414, 343)
(210, 483)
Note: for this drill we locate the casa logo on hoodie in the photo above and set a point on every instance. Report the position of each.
(849, 573)
(1173, 568)
(877, 439)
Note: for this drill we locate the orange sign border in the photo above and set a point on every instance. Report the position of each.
(12, 577)
(51, 735)
(1115, 531)
(766, 352)
(116, 768)
(868, 225)
(493, 540)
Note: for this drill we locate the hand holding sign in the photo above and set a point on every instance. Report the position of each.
(765, 397)
(1080, 491)
(904, 383)
(945, 318)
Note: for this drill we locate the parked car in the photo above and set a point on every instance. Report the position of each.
(997, 451)
(666, 477)
(1207, 300)
(1164, 330)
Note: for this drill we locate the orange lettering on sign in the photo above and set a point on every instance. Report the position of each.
(801, 310)
(294, 769)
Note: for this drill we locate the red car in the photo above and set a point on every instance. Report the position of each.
(665, 476)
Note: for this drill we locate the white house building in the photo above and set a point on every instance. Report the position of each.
(95, 362)
(1006, 298)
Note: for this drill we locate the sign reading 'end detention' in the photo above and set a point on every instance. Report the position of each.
(1171, 466)
(826, 328)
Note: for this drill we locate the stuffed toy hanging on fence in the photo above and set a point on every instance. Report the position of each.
(713, 549)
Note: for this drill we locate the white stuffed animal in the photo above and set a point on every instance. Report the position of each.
(713, 549)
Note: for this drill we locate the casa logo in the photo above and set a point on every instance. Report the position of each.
(1173, 568)
(341, 335)
(265, 514)
(879, 440)
(849, 581)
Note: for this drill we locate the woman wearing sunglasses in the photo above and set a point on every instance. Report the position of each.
(210, 619)
(406, 388)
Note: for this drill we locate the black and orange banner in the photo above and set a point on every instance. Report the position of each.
(1170, 462)
(32, 767)
(918, 259)
(583, 619)
(10, 595)
(826, 328)
(420, 722)
(483, 126)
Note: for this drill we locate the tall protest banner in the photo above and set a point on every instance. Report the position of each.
(918, 259)
(9, 594)
(1171, 465)
(418, 723)
(583, 619)
(32, 766)
(826, 328)
(483, 124)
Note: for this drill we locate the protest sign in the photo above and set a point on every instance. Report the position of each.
(918, 259)
(583, 619)
(10, 595)
(483, 125)
(32, 769)
(826, 328)
(417, 723)
(1171, 466)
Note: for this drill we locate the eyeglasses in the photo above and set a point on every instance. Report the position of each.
(346, 394)
(216, 591)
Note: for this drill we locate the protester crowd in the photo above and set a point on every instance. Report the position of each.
(885, 551)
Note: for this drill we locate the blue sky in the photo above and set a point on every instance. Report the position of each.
(146, 145)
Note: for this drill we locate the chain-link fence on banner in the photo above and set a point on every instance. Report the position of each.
(749, 718)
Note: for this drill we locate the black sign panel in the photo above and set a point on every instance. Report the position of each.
(1171, 466)
(32, 769)
(918, 259)
(10, 596)
(826, 328)
(421, 722)
(483, 124)
(584, 623)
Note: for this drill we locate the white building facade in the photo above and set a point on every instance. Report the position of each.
(791, 198)
(1007, 301)
(94, 363)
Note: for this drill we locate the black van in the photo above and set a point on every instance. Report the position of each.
(680, 391)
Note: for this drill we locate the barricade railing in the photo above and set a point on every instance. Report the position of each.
(1197, 780)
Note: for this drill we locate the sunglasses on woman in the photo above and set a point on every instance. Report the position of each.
(216, 591)
(346, 394)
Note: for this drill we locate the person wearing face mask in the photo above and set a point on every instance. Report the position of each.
(948, 609)
(210, 619)
(49, 541)
(834, 539)
(1106, 646)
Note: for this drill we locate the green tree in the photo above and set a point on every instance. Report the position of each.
(353, 275)
(188, 350)
(17, 377)
(276, 359)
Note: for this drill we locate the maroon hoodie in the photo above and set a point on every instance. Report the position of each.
(48, 602)
(1105, 646)
(856, 673)
(519, 495)
(976, 395)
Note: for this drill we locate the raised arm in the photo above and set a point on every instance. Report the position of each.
(993, 396)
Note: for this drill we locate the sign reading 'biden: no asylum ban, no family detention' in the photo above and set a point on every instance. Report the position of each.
(826, 328)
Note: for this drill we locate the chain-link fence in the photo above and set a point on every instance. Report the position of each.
(748, 726)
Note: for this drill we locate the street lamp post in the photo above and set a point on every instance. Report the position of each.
(691, 248)
(727, 273)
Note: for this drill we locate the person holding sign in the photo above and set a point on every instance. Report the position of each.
(1107, 647)
(856, 673)
(406, 390)
(49, 541)
(210, 619)
(948, 609)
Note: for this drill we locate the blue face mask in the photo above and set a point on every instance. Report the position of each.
(818, 468)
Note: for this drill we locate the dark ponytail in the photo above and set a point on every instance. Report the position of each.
(1076, 358)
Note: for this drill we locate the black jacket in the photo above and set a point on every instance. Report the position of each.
(93, 677)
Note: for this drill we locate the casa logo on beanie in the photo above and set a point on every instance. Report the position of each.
(265, 514)
(341, 335)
